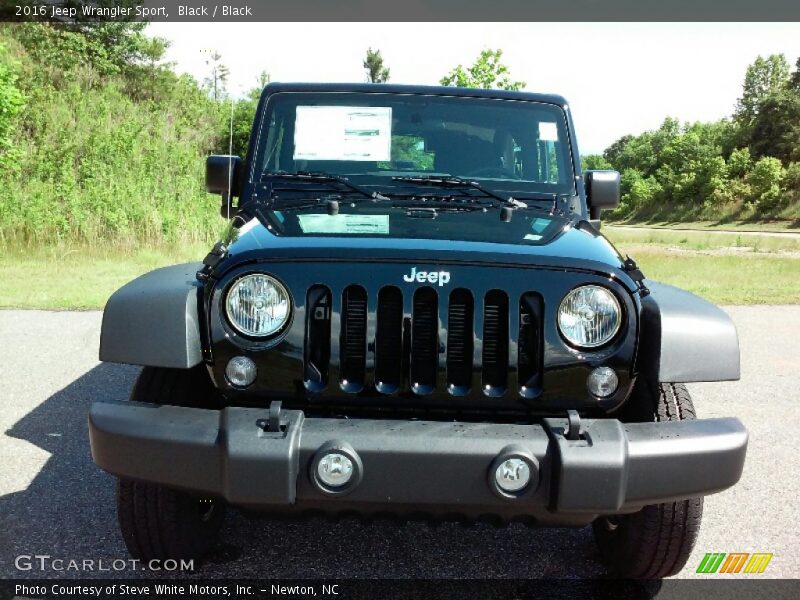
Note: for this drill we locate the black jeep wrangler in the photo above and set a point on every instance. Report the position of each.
(414, 313)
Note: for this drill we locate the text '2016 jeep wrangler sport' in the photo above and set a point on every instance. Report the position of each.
(414, 313)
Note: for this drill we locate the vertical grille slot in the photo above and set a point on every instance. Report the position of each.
(317, 352)
(389, 341)
(424, 341)
(353, 339)
(460, 313)
(495, 343)
(530, 358)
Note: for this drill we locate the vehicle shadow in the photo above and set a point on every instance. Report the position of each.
(68, 512)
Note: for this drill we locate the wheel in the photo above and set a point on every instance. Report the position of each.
(158, 522)
(656, 541)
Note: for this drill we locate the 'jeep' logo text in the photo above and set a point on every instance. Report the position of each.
(442, 277)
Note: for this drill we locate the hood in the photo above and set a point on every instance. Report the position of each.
(532, 238)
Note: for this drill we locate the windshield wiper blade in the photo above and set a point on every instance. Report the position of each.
(324, 178)
(452, 181)
(433, 207)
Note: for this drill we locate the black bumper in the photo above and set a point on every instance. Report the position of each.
(426, 467)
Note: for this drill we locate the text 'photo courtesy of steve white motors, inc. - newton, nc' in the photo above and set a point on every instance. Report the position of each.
(114, 12)
(141, 590)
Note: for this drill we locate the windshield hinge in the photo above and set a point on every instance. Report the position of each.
(633, 271)
(212, 259)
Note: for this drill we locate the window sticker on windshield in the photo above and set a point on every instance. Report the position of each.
(548, 132)
(348, 224)
(343, 133)
(539, 225)
(532, 237)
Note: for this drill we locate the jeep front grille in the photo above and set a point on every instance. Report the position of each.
(353, 340)
(424, 341)
(459, 341)
(389, 355)
(495, 343)
(396, 343)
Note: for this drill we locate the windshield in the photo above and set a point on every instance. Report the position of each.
(374, 138)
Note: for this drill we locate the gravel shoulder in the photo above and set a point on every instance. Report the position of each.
(54, 501)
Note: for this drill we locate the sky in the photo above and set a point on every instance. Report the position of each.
(618, 78)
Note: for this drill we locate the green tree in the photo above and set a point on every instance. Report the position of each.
(638, 193)
(740, 162)
(109, 46)
(776, 128)
(149, 78)
(765, 180)
(615, 150)
(764, 77)
(377, 72)
(595, 161)
(486, 72)
(794, 80)
(217, 80)
(791, 180)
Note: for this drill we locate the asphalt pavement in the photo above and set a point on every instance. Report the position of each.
(54, 501)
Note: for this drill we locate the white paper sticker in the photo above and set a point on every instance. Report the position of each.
(364, 224)
(248, 226)
(343, 133)
(548, 132)
(533, 237)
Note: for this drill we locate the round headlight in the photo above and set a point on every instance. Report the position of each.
(258, 305)
(589, 316)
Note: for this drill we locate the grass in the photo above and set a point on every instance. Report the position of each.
(727, 279)
(62, 278)
(742, 269)
(703, 241)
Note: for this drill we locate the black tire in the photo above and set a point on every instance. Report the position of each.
(158, 522)
(656, 541)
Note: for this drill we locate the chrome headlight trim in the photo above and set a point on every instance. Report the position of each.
(599, 308)
(257, 305)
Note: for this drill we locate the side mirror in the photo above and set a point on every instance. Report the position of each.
(223, 177)
(602, 191)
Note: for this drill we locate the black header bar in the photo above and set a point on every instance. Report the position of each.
(394, 10)
(67, 588)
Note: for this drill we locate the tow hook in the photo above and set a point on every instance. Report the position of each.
(573, 431)
(273, 423)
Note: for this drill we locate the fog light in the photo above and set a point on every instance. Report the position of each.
(241, 371)
(602, 382)
(335, 469)
(512, 475)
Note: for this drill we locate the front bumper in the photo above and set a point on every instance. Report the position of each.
(419, 467)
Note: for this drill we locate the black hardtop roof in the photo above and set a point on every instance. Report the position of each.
(426, 90)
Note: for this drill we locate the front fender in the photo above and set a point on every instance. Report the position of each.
(154, 320)
(685, 338)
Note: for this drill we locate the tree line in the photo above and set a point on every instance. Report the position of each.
(746, 166)
(100, 139)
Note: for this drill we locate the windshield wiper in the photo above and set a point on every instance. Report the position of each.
(507, 204)
(323, 178)
(452, 181)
